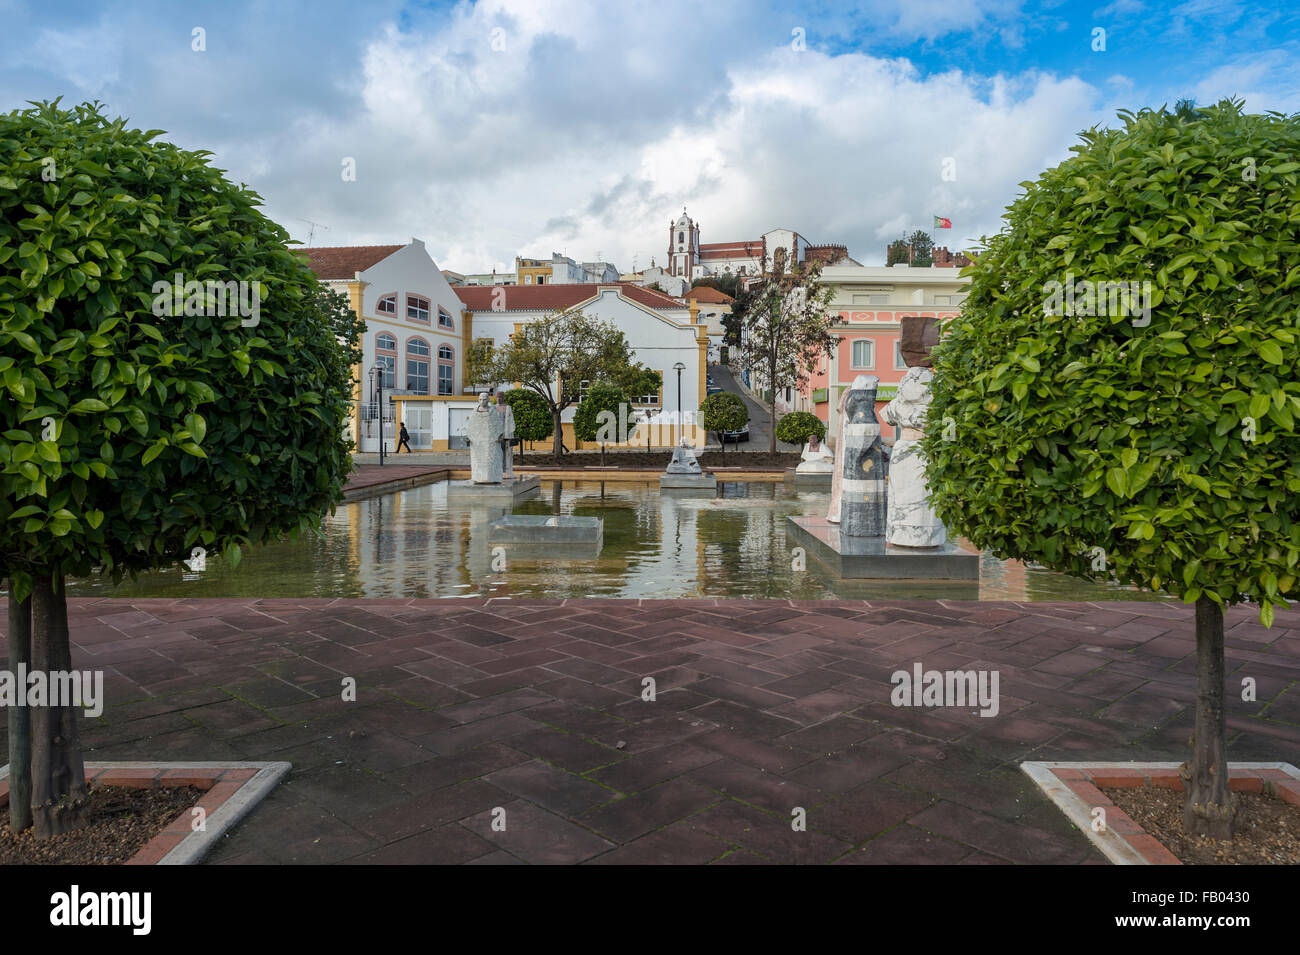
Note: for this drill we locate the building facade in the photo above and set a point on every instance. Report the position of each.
(690, 259)
(661, 333)
(413, 342)
(869, 303)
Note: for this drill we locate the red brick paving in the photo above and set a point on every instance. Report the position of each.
(529, 714)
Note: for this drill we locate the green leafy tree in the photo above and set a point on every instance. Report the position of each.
(602, 403)
(146, 412)
(1118, 398)
(532, 416)
(787, 328)
(728, 283)
(798, 426)
(721, 412)
(921, 248)
(898, 252)
(553, 356)
(734, 321)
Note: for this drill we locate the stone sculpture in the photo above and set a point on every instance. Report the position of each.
(833, 514)
(862, 463)
(507, 415)
(483, 434)
(816, 458)
(684, 461)
(911, 520)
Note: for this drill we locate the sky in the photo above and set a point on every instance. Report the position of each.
(526, 127)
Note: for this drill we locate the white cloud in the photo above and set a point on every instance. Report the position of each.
(593, 125)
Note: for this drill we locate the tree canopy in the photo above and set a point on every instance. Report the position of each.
(798, 426)
(786, 328)
(134, 429)
(175, 377)
(588, 424)
(1117, 399)
(555, 355)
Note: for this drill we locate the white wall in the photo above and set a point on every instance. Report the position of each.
(657, 341)
(410, 269)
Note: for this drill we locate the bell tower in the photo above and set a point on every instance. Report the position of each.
(683, 246)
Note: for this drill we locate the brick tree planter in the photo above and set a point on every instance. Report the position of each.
(1076, 790)
(231, 790)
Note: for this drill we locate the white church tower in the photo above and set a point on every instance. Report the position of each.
(683, 246)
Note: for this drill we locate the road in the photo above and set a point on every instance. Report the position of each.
(760, 422)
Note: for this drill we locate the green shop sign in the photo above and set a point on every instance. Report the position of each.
(883, 392)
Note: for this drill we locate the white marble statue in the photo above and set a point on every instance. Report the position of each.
(911, 521)
(837, 479)
(816, 458)
(483, 434)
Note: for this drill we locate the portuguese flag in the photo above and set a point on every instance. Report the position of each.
(942, 223)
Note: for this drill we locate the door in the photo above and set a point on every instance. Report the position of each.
(419, 422)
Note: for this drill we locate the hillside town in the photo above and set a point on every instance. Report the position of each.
(420, 322)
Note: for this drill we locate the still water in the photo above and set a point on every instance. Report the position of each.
(413, 544)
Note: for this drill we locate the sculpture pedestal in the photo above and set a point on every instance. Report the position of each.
(521, 486)
(866, 558)
(688, 482)
(559, 535)
(809, 480)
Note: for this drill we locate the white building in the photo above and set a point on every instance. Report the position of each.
(414, 334)
(691, 259)
(661, 331)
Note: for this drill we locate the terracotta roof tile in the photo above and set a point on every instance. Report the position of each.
(515, 298)
(709, 294)
(345, 261)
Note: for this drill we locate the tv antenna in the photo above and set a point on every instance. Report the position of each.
(311, 233)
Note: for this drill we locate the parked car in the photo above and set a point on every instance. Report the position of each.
(741, 435)
(713, 389)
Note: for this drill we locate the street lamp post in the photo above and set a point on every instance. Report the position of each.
(679, 368)
(378, 372)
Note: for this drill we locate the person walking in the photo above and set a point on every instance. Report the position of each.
(404, 438)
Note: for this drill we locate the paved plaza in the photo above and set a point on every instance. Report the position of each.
(530, 713)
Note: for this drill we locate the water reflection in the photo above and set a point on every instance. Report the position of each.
(412, 544)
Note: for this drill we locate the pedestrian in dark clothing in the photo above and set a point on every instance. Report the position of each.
(404, 438)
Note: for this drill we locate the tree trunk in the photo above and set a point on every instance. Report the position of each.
(559, 434)
(58, 773)
(20, 717)
(1210, 808)
(772, 420)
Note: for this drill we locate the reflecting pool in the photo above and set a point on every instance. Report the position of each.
(413, 544)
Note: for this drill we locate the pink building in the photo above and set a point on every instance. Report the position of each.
(869, 336)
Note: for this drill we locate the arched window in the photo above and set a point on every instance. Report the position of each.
(446, 370)
(445, 320)
(417, 309)
(417, 366)
(387, 304)
(386, 356)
